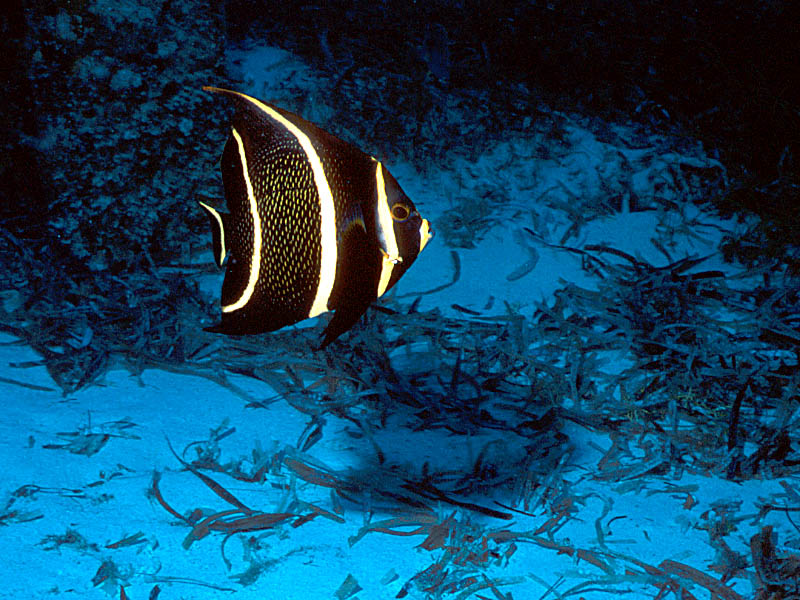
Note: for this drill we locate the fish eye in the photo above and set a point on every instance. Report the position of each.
(400, 212)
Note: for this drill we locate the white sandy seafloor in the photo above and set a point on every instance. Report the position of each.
(68, 509)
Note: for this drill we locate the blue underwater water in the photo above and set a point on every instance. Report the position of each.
(555, 248)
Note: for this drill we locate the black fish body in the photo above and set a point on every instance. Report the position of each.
(314, 224)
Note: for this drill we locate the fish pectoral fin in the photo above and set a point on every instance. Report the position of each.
(218, 222)
(353, 223)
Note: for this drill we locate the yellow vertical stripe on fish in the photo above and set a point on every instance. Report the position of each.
(255, 261)
(386, 237)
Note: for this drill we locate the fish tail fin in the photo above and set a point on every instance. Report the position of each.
(218, 222)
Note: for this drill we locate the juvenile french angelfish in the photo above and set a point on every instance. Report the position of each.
(314, 225)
